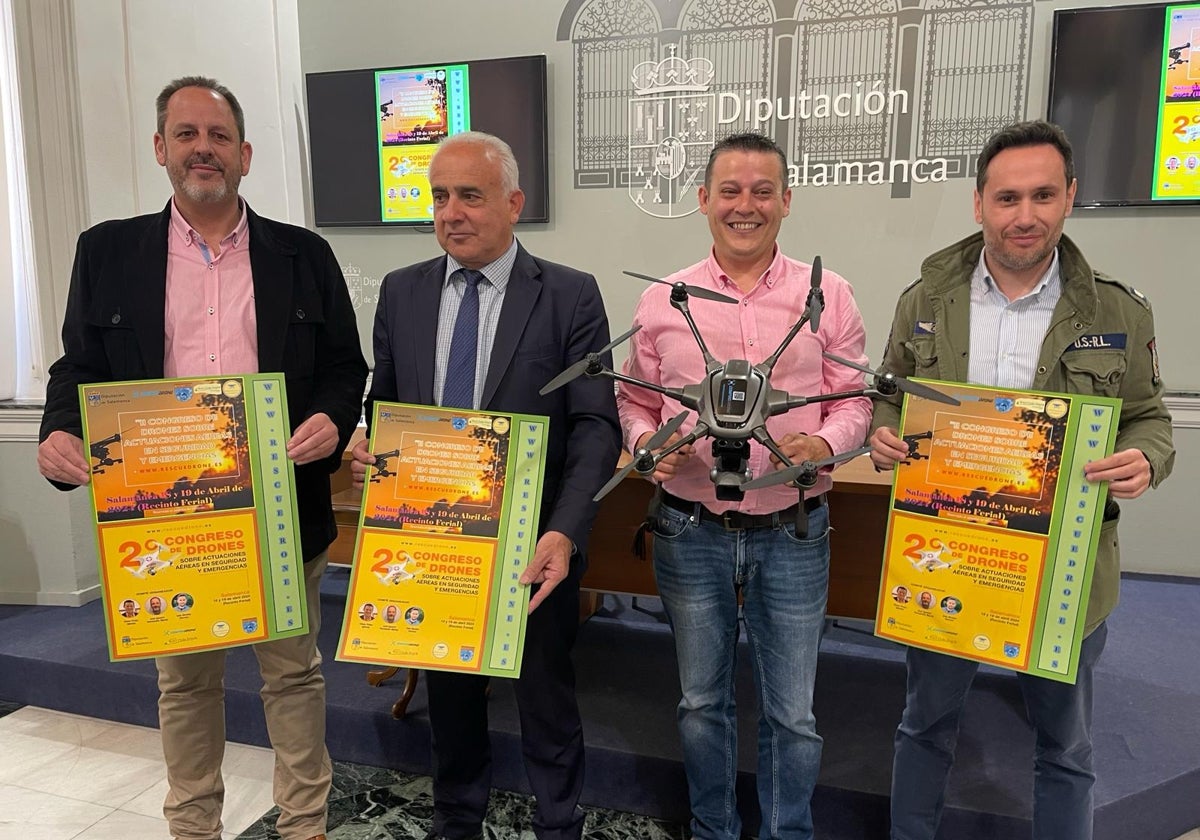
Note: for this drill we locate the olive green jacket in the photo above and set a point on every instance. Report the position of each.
(1092, 304)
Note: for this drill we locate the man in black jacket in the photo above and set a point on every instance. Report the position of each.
(208, 287)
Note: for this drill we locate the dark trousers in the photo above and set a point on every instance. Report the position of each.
(1061, 714)
(551, 731)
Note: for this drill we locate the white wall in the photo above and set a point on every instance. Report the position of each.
(125, 52)
(114, 56)
(873, 240)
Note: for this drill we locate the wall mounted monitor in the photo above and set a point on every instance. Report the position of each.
(371, 133)
(1125, 85)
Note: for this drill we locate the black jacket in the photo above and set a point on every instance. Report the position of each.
(113, 330)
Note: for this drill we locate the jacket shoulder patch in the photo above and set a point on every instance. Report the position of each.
(1101, 277)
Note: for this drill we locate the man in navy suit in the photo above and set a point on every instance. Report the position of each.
(534, 318)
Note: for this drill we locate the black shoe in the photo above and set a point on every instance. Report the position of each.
(433, 835)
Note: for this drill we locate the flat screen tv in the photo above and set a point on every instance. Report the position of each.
(1125, 85)
(371, 133)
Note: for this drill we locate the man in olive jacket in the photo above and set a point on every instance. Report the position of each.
(1017, 306)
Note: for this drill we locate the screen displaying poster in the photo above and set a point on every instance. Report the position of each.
(195, 513)
(993, 528)
(1177, 157)
(449, 522)
(418, 108)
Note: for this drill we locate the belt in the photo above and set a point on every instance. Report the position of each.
(736, 520)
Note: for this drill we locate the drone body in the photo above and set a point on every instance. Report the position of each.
(734, 400)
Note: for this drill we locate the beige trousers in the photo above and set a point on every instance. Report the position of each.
(191, 715)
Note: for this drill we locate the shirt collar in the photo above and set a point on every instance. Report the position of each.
(496, 272)
(188, 235)
(982, 282)
(774, 273)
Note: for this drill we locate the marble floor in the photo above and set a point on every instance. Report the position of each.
(66, 777)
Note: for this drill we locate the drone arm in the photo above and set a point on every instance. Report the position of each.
(769, 364)
(790, 401)
(699, 431)
(682, 305)
(684, 399)
(764, 437)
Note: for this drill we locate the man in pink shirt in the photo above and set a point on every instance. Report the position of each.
(768, 548)
(209, 287)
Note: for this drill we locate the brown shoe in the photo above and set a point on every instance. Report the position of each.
(317, 837)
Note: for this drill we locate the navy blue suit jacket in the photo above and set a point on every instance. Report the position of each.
(552, 316)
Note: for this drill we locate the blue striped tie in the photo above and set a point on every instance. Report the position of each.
(459, 388)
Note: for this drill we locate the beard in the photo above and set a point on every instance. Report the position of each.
(203, 193)
(998, 250)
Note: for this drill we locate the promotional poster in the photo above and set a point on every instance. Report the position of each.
(418, 108)
(1177, 162)
(449, 522)
(993, 527)
(195, 513)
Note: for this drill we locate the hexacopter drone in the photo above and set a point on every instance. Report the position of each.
(734, 401)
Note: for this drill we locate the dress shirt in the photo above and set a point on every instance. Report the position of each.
(491, 298)
(665, 352)
(1006, 336)
(210, 325)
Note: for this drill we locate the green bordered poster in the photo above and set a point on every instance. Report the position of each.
(418, 108)
(195, 513)
(449, 522)
(993, 528)
(1177, 138)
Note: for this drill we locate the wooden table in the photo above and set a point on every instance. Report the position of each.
(857, 508)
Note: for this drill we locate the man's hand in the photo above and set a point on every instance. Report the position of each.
(800, 447)
(887, 448)
(362, 459)
(60, 458)
(550, 565)
(314, 439)
(1127, 471)
(668, 467)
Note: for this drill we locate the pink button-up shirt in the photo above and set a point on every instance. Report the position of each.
(665, 352)
(210, 324)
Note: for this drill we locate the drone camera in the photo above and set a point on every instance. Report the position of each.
(730, 471)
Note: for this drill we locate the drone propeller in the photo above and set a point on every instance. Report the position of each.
(583, 364)
(694, 291)
(906, 385)
(804, 473)
(643, 460)
(816, 297)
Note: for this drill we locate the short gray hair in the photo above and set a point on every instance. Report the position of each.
(495, 149)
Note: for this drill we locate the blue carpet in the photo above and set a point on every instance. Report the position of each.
(1146, 727)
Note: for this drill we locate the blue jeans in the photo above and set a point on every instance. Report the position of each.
(1060, 713)
(699, 567)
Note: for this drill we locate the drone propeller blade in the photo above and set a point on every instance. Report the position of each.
(566, 376)
(694, 291)
(816, 297)
(790, 474)
(906, 385)
(850, 364)
(925, 392)
(654, 442)
(617, 478)
(621, 339)
(665, 431)
(583, 364)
